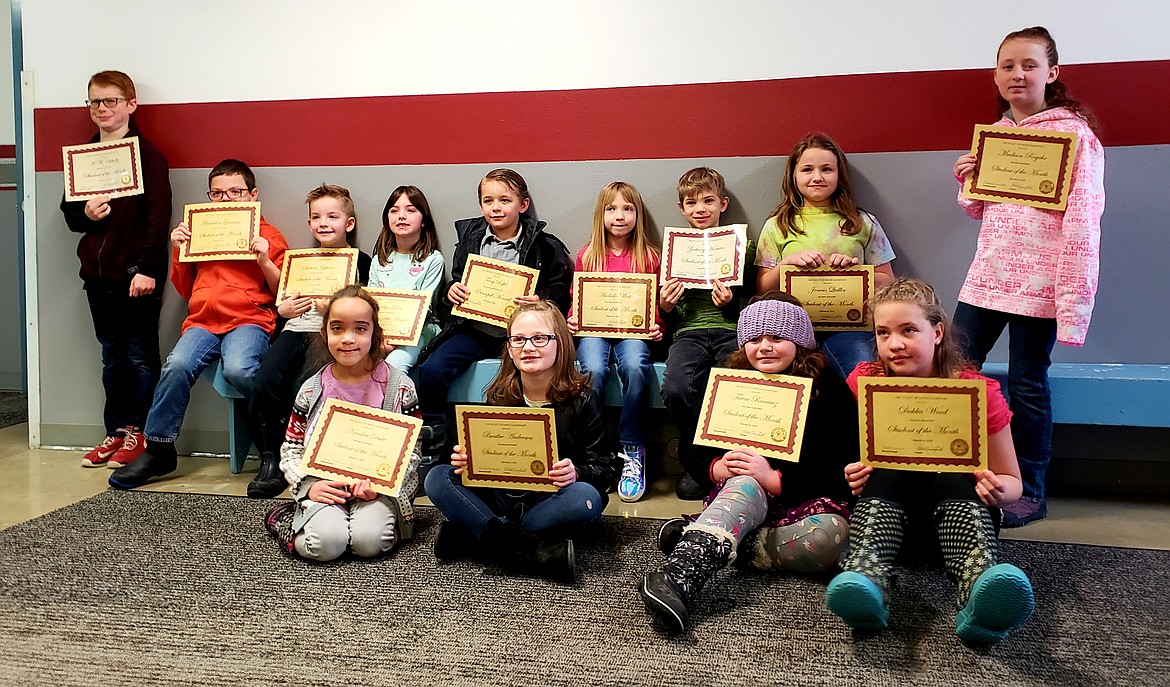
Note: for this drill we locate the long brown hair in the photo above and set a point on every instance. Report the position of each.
(428, 235)
(566, 383)
(642, 249)
(1056, 93)
(948, 357)
(809, 362)
(791, 201)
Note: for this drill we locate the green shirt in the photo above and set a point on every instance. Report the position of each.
(696, 310)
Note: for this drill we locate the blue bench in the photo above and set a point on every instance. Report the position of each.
(469, 388)
(239, 439)
(1105, 394)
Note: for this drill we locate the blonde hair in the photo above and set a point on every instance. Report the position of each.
(791, 201)
(566, 383)
(641, 248)
(695, 181)
(948, 359)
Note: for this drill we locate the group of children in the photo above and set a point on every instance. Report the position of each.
(828, 509)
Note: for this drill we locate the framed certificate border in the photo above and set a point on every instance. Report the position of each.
(730, 274)
(130, 184)
(968, 457)
(474, 477)
(388, 474)
(856, 319)
(410, 334)
(1049, 195)
(640, 323)
(294, 255)
(787, 438)
(479, 262)
(194, 211)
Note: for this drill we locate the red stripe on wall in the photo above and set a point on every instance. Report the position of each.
(7, 152)
(911, 111)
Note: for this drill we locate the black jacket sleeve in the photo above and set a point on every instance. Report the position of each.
(556, 273)
(585, 438)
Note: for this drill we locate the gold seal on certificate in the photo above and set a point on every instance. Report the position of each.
(220, 231)
(109, 168)
(316, 272)
(836, 298)
(745, 409)
(697, 257)
(615, 306)
(492, 284)
(402, 314)
(353, 442)
(924, 424)
(508, 448)
(1022, 166)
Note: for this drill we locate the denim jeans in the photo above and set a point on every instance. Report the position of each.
(540, 513)
(127, 329)
(845, 349)
(1030, 342)
(443, 366)
(633, 363)
(688, 365)
(241, 350)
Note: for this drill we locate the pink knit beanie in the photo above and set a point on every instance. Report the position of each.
(777, 318)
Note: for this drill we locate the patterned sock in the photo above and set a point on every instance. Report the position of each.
(875, 537)
(967, 539)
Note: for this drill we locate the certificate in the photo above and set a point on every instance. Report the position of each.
(697, 257)
(492, 285)
(614, 306)
(508, 448)
(765, 413)
(220, 231)
(1021, 166)
(352, 442)
(316, 272)
(836, 298)
(924, 424)
(111, 168)
(402, 314)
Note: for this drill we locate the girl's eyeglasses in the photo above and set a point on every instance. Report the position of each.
(538, 340)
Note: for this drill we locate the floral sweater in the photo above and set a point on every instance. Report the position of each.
(1043, 263)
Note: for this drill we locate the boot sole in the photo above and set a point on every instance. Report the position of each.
(661, 610)
(1001, 600)
(855, 599)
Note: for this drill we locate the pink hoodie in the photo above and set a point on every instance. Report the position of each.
(1043, 263)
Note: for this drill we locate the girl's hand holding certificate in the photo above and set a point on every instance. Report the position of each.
(562, 473)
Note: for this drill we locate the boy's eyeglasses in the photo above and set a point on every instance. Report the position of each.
(110, 103)
(231, 194)
(538, 340)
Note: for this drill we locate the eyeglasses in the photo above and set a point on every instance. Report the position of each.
(110, 103)
(538, 340)
(231, 194)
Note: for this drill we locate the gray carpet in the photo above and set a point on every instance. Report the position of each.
(146, 588)
(13, 408)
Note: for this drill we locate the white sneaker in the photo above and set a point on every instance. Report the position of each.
(632, 485)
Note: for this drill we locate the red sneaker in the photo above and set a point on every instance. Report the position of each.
(132, 447)
(100, 455)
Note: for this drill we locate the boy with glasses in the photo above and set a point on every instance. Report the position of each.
(231, 316)
(123, 254)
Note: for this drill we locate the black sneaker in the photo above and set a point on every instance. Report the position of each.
(664, 603)
(143, 469)
(689, 489)
(278, 521)
(453, 542)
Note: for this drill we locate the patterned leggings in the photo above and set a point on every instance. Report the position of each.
(809, 544)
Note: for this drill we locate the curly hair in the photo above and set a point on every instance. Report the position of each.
(948, 357)
(807, 363)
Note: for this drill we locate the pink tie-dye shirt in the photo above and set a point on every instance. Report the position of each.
(1043, 263)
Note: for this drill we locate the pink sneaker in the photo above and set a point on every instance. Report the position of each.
(100, 455)
(132, 447)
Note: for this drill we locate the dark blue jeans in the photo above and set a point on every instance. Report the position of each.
(127, 329)
(845, 349)
(454, 356)
(1030, 342)
(688, 365)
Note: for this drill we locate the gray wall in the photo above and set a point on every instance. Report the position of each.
(912, 194)
(11, 325)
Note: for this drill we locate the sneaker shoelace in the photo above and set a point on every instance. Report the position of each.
(631, 469)
(131, 442)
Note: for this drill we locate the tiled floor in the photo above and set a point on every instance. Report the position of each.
(41, 480)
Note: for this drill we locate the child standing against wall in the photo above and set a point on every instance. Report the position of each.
(704, 323)
(620, 242)
(282, 370)
(123, 254)
(1035, 270)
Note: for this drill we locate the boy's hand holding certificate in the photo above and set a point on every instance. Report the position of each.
(353, 442)
(764, 413)
(836, 298)
(697, 257)
(618, 306)
(108, 168)
(1022, 166)
(220, 231)
(492, 287)
(508, 448)
(923, 423)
